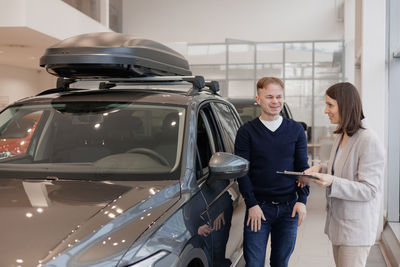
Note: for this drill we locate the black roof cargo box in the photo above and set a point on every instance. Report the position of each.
(109, 54)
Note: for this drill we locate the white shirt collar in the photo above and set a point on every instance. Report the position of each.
(272, 125)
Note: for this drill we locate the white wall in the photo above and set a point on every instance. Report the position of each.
(393, 162)
(349, 40)
(212, 21)
(17, 83)
(371, 78)
(12, 13)
(52, 17)
(59, 20)
(374, 89)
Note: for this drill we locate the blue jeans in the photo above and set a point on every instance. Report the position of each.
(283, 229)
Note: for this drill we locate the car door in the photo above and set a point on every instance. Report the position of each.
(222, 196)
(228, 122)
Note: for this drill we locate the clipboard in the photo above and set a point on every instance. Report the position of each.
(297, 175)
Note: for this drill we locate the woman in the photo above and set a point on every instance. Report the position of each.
(353, 178)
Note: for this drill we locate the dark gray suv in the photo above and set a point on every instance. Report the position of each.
(128, 162)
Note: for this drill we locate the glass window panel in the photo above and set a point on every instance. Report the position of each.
(320, 118)
(243, 71)
(223, 87)
(241, 89)
(269, 70)
(327, 70)
(321, 86)
(298, 88)
(298, 70)
(298, 52)
(241, 53)
(301, 108)
(210, 72)
(207, 54)
(322, 127)
(269, 53)
(328, 60)
(228, 125)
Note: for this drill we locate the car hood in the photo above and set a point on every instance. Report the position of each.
(44, 220)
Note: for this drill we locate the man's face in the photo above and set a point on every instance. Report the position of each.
(270, 99)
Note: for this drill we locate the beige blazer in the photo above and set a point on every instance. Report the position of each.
(354, 198)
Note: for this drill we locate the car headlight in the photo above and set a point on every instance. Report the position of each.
(150, 261)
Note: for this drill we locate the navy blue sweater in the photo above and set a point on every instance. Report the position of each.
(268, 152)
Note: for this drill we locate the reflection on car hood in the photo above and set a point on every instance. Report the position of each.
(40, 220)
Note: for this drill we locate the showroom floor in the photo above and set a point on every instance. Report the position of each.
(313, 247)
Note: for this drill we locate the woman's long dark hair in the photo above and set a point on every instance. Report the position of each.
(350, 107)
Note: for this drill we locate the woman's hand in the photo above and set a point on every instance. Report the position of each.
(315, 168)
(323, 180)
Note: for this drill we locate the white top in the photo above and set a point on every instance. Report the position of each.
(273, 125)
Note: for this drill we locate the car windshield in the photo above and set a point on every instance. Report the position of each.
(91, 140)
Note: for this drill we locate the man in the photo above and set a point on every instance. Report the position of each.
(275, 204)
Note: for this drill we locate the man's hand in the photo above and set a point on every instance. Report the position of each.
(204, 230)
(254, 218)
(219, 222)
(301, 184)
(301, 209)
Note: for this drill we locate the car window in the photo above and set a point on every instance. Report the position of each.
(208, 140)
(286, 111)
(16, 132)
(248, 112)
(228, 124)
(96, 138)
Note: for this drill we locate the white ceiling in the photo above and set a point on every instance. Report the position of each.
(23, 47)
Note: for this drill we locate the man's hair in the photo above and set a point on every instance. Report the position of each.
(349, 105)
(265, 81)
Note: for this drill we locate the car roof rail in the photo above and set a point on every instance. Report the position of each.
(213, 85)
(63, 83)
(62, 86)
(198, 82)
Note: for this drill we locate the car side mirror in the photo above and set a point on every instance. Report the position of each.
(226, 166)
